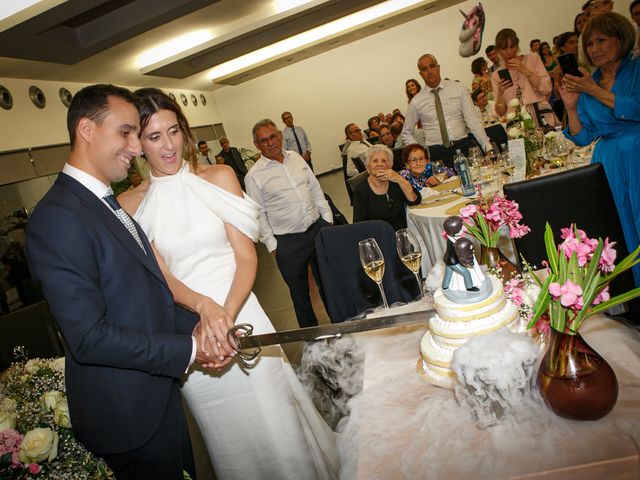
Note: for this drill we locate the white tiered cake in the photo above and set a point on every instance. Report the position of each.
(455, 324)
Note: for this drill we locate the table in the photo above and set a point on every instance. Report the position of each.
(401, 427)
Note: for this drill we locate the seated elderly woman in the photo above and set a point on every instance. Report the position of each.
(417, 167)
(385, 194)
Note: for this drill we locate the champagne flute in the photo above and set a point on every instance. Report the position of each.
(410, 253)
(373, 263)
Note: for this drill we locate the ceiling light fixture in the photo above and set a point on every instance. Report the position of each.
(173, 47)
(284, 5)
(17, 11)
(310, 36)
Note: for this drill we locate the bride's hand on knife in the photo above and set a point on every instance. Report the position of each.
(215, 323)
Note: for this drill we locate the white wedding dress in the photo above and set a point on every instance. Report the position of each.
(257, 423)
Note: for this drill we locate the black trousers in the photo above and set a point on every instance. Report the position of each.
(295, 252)
(440, 152)
(166, 454)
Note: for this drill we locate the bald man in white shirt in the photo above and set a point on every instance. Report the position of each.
(293, 211)
(449, 119)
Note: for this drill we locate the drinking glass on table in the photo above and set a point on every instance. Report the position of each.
(438, 170)
(373, 263)
(410, 253)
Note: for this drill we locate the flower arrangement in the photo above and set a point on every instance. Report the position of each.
(36, 439)
(580, 270)
(520, 124)
(484, 220)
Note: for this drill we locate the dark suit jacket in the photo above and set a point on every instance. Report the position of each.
(126, 343)
(234, 160)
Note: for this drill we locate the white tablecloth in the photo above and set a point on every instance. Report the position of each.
(401, 427)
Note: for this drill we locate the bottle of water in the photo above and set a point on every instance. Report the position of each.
(461, 165)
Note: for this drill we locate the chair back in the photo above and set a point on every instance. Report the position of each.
(497, 134)
(357, 180)
(32, 327)
(348, 291)
(581, 196)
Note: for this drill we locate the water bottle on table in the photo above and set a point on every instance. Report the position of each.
(461, 166)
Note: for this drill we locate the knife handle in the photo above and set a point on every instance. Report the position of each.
(246, 358)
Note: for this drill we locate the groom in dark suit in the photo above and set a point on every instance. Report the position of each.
(126, 342)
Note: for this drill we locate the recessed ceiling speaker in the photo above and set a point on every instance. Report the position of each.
(6, 99)
(194, 100)
(203, 100)
(183, 99)
(37, 97)
(65, 97)
(173, 97)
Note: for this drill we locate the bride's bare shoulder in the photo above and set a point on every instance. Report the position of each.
(131, 199)
(221, 176)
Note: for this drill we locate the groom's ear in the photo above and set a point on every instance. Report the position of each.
(85, 129)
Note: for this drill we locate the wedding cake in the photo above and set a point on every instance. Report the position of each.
(456, 323)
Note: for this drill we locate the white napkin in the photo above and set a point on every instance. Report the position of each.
(429, 194)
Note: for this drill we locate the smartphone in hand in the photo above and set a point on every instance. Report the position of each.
(505, 75)
(569, 64)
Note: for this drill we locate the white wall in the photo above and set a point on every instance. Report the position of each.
(25, 125)
(353, 82)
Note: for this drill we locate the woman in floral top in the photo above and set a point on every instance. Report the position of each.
(418, 167)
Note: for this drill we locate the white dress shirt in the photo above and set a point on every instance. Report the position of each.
(289, 195)
(356, 149)
(290, 140)
(99, 189)
(460, 115)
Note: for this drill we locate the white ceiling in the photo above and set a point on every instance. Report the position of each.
(90, 41)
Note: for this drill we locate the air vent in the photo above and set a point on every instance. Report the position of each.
(173, 97)
(37, 96)
(65, 97)
(203, 100)
(6, 99)
(183, 99)
(194, 100)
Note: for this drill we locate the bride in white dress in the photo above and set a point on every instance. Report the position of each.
(257, 423)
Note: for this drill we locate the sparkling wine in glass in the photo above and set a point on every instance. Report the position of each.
(373, 263)
(410, 253)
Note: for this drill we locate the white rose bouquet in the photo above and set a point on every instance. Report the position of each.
(36, 436)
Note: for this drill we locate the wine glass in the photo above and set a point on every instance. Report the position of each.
(438, 170)
(410, 253)
(373, 263)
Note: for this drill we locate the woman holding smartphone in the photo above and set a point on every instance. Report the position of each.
(526, 73)
(605, 106)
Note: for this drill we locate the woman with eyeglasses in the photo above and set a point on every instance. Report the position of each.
(385, 194)
(417, 167)
(605, 107)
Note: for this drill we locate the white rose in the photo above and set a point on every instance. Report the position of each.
(61, 414)
(58, 364)
(526, 116)
(8, 404)
(32, 366)
(51, 399)
(514, 103)
(38, 445)
(7, 420)
(511, 116)
(531, 294)
(514, 132)
(550, 134)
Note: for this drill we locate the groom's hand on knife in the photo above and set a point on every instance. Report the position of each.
(215, 322)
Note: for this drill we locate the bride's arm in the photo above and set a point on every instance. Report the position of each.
(244, 250)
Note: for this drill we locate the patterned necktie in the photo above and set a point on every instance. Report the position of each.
(440, 113)
(293, 129)
(122, 216)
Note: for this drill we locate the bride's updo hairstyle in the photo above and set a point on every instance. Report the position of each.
(152, 100)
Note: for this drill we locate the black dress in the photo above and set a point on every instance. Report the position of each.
(389, 207)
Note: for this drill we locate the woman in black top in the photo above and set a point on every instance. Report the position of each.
(385, 194)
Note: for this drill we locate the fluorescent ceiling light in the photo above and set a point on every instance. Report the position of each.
(9, 8)
(309, 37)
(284, 5)
(173, 47)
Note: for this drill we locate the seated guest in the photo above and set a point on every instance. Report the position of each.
(484, 105)
(386, 137)
(417, 167)
(411, 88)
(356, 146)
(374, 124)
(396, 129)
(481, 76)
(385, 194)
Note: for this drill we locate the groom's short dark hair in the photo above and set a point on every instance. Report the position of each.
(92, 102)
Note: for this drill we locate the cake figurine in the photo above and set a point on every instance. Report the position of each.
(468, 303)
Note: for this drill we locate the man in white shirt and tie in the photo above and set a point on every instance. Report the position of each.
(293, 209)
(449, 119)
(356, 147)
(295, 138)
